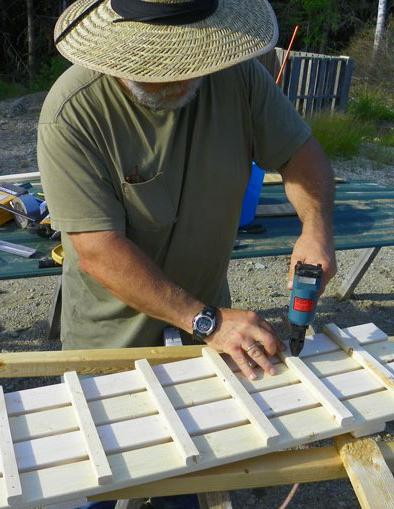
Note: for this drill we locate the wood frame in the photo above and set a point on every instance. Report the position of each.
(377, 347)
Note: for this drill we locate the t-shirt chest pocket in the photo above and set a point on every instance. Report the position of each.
(148, 204)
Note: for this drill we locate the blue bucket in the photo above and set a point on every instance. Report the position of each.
(252, 194)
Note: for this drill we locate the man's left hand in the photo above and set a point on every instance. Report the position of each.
(314, 248)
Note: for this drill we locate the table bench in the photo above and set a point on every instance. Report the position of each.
(363, 219)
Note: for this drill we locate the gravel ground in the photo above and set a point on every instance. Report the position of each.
(258, 284)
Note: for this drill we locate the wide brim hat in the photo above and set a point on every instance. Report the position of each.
(93, 34)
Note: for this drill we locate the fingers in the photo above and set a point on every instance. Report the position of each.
(258, 356)
(243, 362)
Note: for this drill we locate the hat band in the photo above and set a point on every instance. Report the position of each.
(163, 14)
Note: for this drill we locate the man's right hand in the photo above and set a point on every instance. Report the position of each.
(247, 338)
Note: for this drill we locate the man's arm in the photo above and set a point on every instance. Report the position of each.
(309, 185)
(129, 274)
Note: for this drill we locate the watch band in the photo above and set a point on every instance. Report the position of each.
(209, 312)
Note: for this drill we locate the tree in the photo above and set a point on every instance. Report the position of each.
(380, 26)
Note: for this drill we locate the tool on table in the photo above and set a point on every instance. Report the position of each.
(55, 260)
(12, 189)
(17, 249)
(38, 223)
(304, 296)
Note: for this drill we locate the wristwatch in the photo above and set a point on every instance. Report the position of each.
(205, 323)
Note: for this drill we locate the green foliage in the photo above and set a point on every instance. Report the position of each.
(387, 140)
(371, 106)
(340, 134)
(8, 90)
(49, 73)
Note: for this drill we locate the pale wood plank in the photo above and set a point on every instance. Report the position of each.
(9, 467)
(179, 434)
(332, 363)
(20, 177)
(384, 351)
(353, 348)
(286, 467)
(366, 333)
(368, 472)
(341, 415)
(88, 429)
(241, 395)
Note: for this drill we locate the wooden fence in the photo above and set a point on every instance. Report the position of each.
(313, 82)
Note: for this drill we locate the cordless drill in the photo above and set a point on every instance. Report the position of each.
(304, 296)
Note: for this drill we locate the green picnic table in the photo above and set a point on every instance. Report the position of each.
(363, 219)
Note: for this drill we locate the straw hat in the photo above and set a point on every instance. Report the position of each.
(182, 39)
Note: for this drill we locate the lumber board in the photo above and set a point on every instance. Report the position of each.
(368, 472)
(341, 415)
(286, 467)
(89, 362)
(8, 464)
(178, 432)
(353, 348)
(88, 431)
(21, 177)
(249, 407)
(104, 361)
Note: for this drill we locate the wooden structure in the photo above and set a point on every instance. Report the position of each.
(95, 435)
(311, 81)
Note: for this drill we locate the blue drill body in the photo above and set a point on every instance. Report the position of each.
(304, 296)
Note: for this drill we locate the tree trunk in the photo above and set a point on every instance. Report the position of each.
(30, 39)
(380, 26)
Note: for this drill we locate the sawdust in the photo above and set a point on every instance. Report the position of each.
(364, 451)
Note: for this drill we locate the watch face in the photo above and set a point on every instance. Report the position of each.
(204, 324)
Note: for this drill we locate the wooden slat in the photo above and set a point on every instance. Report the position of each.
(20, 177)
(353, 348)
(366, 333)
(252, 411)
(179, 434)
(9, 467)
(341, 415)
(368, 472)
(287, 467)
(93, 444)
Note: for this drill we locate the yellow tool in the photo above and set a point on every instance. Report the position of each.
(58, 254)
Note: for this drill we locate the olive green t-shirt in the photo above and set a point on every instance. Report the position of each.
(171, 181)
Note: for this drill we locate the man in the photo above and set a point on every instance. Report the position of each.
(145, 150)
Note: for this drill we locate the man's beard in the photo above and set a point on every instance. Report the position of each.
(167, 98)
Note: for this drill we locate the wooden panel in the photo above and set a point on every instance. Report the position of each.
(353, 348)
(242, 397)
(88, 429)
(338, 411)
(9, 467)
(50, 446)
(286, 467)
(178, 432)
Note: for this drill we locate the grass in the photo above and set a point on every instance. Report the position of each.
(9, 90)
(371, 106)
(46, 76)
(340, 134)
